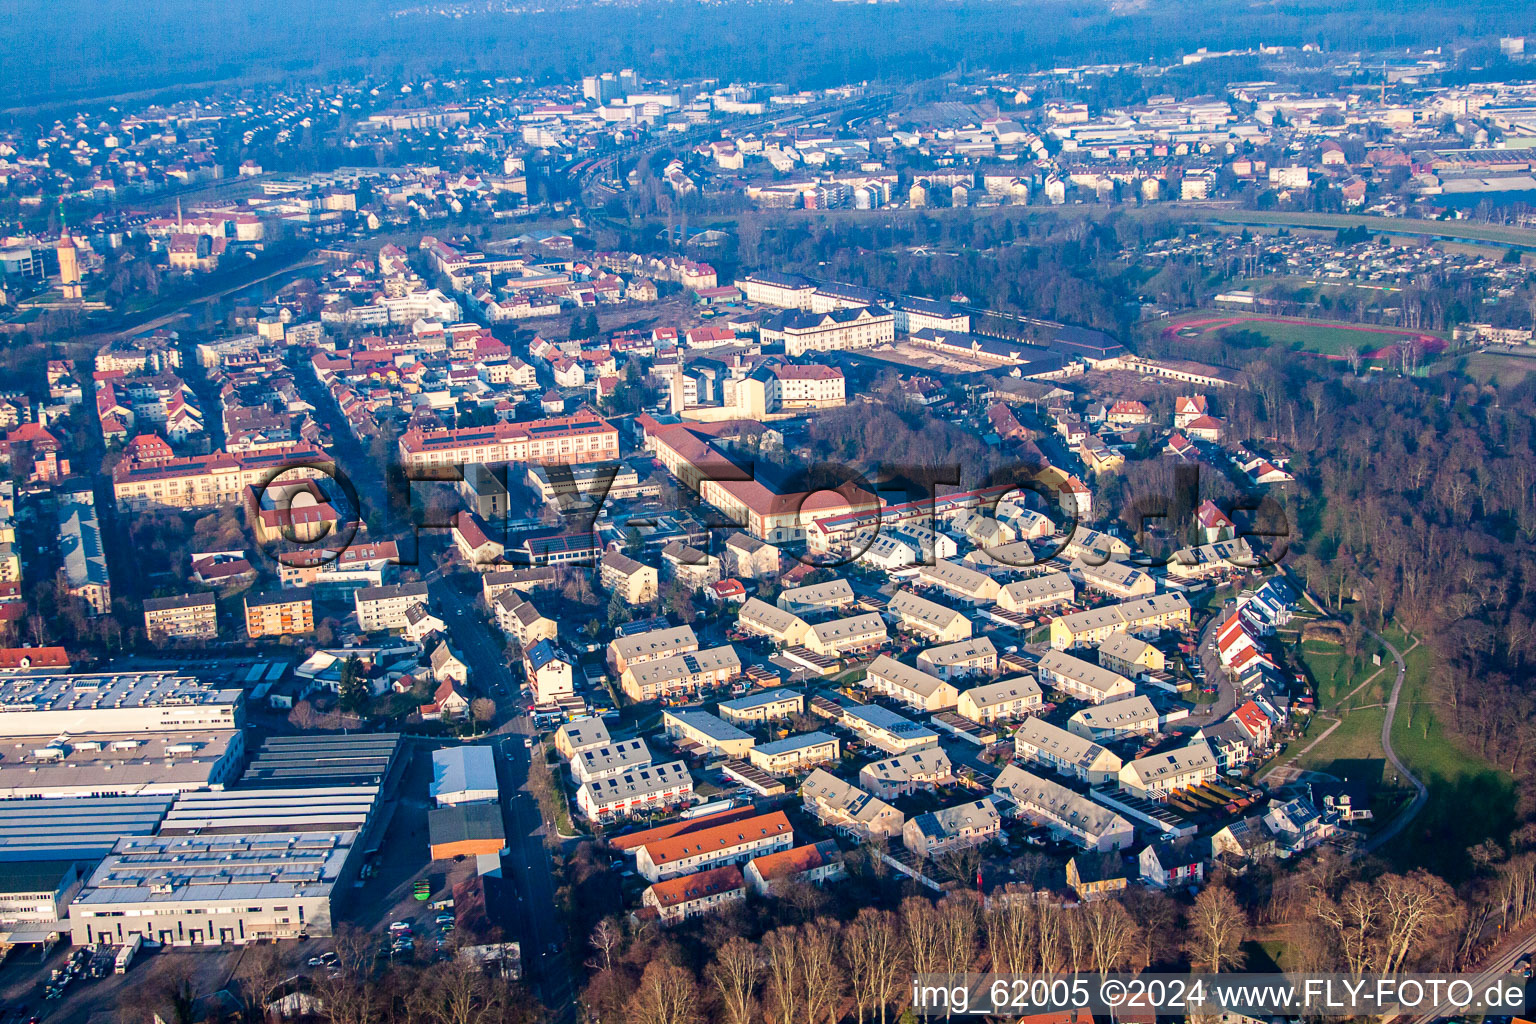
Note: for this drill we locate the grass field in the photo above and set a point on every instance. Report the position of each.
(1498, 234)
(1495, 368)
(1358, 738)
(1318, 337)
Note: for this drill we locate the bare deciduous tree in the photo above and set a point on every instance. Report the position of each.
(735, 972)
(1011, 932)
(785, 986)
(1217, 926)
(924, 936)
(1111, 934)
(667, 995)
(605, 939)
(872, 949)
(821, 971)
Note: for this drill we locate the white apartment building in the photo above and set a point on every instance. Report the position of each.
(1067, 813)
(385, 608)
(793, 753)
(835, 330)
(617, 758)
(1082, 679)
(765, 706)
(652, 788)
(911, 686)
(1155, 776)
(1063, 752)
(971, 657)
(1004, 700)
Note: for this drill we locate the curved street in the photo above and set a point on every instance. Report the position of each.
(1421, 791)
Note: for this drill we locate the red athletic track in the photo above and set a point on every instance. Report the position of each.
(1432, 344)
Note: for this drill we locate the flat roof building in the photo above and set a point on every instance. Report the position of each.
(326, 759)
(465, 830)
(253, 811)
(795, 752)
(119, 764)
(57, 703)
(463, 775)
(214, 890)
(886, 729)
(83, 828)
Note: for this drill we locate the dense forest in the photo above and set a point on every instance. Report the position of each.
(64, 52)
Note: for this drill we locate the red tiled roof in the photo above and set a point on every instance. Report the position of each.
(635, 840)
(786, 863)
(664, 851)
(675, 891)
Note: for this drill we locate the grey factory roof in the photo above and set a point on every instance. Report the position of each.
(323, 760)
(90, 690)
(82, 827)
(218, 869)
(252, 811)
(150, 762)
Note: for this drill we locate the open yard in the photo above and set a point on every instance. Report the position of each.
(1496, 367)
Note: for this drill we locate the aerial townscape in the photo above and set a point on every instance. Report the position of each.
(683, 513)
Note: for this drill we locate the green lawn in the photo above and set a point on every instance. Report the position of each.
(1418, 734)
(1337, 675)
(1324, 339)
(1493, 368)
(1468, 796)
(1463, 230)
(1357, 738)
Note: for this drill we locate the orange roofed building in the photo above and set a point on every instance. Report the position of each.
(678, 899)
(582, 437)
(148, 479)
(815, 863)
(733, 843)
(690, 452)
(634, 840)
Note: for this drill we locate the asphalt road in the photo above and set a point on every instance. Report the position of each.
(537, 924)
(1226, 690)
(1421, 791)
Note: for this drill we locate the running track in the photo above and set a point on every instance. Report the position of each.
(1431, 343)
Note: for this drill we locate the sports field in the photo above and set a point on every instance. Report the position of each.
(1320, 337)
